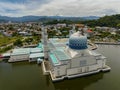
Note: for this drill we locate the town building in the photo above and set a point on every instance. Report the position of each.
(25, 54)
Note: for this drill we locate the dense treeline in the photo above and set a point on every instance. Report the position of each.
(59, 21)
(110, 21)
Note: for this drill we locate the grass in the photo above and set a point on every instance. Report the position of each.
(7, 40)
(5, 49)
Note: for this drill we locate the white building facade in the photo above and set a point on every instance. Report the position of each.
(73, 59)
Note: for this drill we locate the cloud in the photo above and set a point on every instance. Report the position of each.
(59, 7)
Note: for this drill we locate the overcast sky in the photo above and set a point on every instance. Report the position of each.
(59, 7)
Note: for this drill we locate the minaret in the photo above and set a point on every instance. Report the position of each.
(72, 31)
(81, 31)
(44, 42)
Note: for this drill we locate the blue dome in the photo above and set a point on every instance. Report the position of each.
(78, 41)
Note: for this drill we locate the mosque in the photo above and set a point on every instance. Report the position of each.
(70, 57)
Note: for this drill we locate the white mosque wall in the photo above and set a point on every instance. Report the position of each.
(93, 67)
(73, 66)
(101, 63)
(60, 70)
(72, 71)
(91, 60)
(83, 61)
(104, 62)
(84, 69)
(63, 70)
(68, 64)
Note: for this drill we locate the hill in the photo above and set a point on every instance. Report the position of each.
(110, 21)
(43, 18)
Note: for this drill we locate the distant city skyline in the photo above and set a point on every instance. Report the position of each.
(17, 8)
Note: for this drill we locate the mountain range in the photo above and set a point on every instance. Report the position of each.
(44, 18)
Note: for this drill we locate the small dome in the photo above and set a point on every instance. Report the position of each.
(78, 41)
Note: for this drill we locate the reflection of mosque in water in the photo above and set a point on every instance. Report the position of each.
(75, 84)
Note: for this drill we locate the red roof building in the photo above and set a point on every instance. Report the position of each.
(89, 31)
(1, 56)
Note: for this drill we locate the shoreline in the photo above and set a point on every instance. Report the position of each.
(107, 43)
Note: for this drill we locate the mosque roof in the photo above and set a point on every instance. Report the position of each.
(61, 55)
(57, 56)
(78, 41)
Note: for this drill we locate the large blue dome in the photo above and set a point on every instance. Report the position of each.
(78, 41)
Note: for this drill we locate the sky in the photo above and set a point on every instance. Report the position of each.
(18, 8)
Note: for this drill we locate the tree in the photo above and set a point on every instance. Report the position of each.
(28, 40)
(15, 34)
(118, 25)
(18, 42)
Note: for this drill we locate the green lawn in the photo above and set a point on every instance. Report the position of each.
(7, 40)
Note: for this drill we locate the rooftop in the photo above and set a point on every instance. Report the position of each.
(36, 55)
(54, 59)
(33, 50)
(94, 53)
(21, 51)
(61, 55)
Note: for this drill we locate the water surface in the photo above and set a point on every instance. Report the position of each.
(29, 76)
